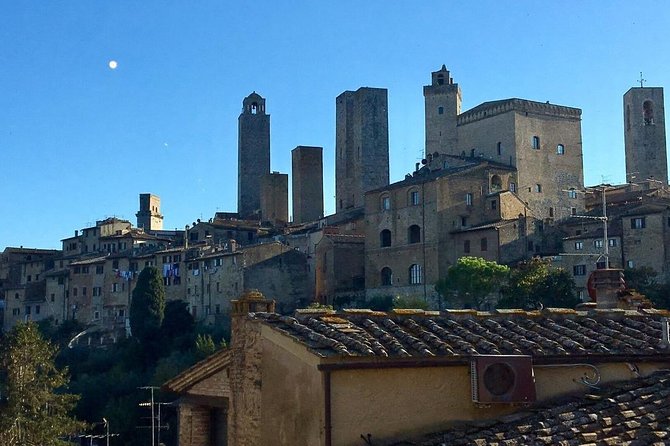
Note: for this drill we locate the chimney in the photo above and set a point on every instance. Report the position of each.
(608, 283)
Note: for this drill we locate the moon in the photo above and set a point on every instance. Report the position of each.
(113, 64)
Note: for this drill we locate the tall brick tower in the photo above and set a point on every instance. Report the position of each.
(443, 105)
(149, 216)
(361, 145)
(253, 155)
(644, 135)
(307, 176)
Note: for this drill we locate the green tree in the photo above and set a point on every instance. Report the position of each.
(643, 279)
(535, 283)
(204, 346)
(147, 308)
(34, 409)
(471, 279)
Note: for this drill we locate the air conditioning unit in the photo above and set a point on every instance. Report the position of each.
(502, 379)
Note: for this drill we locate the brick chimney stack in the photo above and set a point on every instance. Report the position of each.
(608, 284)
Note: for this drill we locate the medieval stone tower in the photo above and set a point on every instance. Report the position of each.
(307, 176)
(253, 155)
(274, 198)
(361, 145)
(443, 105)
(644, 135)
(149, 216)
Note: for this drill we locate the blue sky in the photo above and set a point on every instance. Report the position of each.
(80, 141)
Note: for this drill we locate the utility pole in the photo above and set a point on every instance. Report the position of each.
(153, 417)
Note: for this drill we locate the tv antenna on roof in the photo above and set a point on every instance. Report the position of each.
(642, 80)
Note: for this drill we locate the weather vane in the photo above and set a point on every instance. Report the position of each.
(642, 81)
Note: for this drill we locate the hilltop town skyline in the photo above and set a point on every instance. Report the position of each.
(81, 140)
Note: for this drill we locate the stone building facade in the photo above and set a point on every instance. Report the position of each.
(361, 145)
(253, 154)
(307, 182)
(644, 136)
(541, 140)
(453, 206)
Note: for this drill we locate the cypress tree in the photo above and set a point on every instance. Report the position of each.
(147, 307)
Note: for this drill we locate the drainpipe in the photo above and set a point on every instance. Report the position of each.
(327, 408)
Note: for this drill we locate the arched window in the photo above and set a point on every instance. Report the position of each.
(385, 238)
(496, 183)
(414, 234)
(386, 276)
(440, 110)
(536, 142)
(440, 79)
(648, 112)
(415, 274)
(560, 149)
(254, 108)
(572, 193)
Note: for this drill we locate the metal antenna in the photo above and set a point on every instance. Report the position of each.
(642, 80)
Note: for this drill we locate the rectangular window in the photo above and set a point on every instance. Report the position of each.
(53, 297)
(494, 205)
(414, 198)
(75, 291)
(512, 187)
(217, 309)
(83, 291)
(560, 149)
(468, 199)
(538, 188)
(466, 246)
(613, 242)
(573, 211)
(464, 221)
(115, 288)
(386, 203)
(630, 264)
(572, 193)
(484, 244)
(99, 269)
(27, 309)
(579, 246)
(37, 309)
(579, 270)
(598, 243)
(638, 223)
(551, 212)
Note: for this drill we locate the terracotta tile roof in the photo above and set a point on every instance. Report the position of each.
(200, 371)
(635, 412)
(414, 334)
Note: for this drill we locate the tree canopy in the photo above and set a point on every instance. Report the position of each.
(147, 308)
(471, 280)
(535, 283)
(643, 279)
(34, 410)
